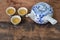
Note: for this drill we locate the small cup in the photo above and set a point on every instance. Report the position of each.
(22, 11)
(10, 11)
(15, 20)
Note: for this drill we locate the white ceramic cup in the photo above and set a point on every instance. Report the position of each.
(22, 8)
(10, 8)
(16, 16)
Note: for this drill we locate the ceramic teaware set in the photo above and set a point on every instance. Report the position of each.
(41, 13)
(16, 19)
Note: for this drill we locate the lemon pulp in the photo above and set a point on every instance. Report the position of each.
(10, 11)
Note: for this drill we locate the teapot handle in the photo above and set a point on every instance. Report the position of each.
(50, 19)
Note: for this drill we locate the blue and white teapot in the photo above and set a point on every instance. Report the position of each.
(42, 13)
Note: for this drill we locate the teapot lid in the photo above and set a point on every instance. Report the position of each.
(42, 8)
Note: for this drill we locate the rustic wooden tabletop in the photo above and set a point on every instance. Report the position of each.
(27, 29)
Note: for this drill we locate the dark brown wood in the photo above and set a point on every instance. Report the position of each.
(27, 29)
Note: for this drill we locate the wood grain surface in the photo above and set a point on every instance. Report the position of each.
(27, 29)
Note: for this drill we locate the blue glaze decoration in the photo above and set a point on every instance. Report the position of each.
(40, 10)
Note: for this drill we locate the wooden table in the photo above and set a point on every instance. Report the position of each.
(27, 29)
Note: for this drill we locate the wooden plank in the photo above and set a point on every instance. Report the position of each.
(28, 4)
(3, 6)
(27, 29)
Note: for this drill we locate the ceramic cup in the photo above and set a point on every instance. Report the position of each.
(42, 13)
(15, 19)
(10, 11)
(22, 11)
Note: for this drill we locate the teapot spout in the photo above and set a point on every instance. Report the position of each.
(28, 15)
(31, 15)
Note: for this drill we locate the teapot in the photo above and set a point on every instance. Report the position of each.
(42, 13)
